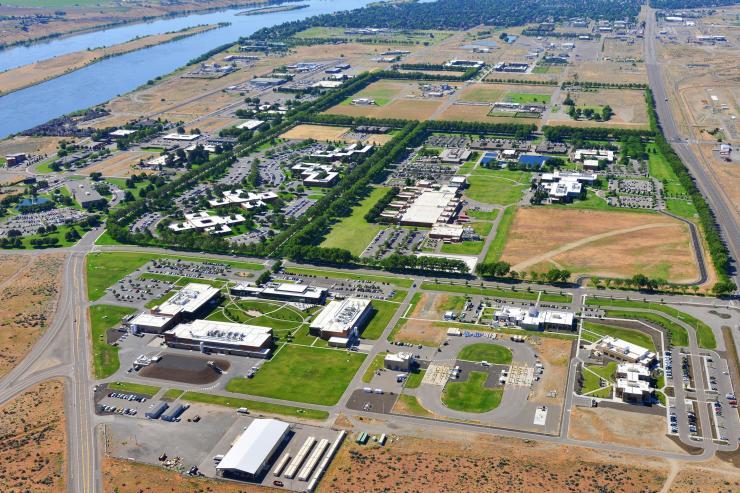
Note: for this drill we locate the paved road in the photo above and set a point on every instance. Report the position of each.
(719, 202)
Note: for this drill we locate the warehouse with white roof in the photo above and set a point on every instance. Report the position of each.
(192, 300)
(221, 337)
(251, 453)
(340, 318)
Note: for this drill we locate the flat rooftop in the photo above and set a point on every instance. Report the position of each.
(189, 299)
(223, 333)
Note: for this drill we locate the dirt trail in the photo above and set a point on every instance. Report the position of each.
(584, 241)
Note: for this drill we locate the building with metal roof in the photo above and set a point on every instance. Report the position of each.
(251, 453)
(340, 318)
(221, 337)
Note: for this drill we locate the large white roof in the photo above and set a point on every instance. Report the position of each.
(189, 299)
(254, 446)
(223, 332)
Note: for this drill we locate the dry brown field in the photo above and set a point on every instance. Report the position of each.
(555, 355)
(431, 306)
(10, 177)
(28, 75)
(489, 463)
(29, 288)
(603, 243)
(31, 145)
(424, 332)
(33, 441)
(212, 124)
(630, 109)
(606, 425)
(726, 175)
(617, 72)
(121, 164)
(406, 109)
(318, 132)
(617, 49)
(122, 476)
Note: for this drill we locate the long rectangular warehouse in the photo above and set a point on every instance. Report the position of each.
(250, 454)
(221, 337)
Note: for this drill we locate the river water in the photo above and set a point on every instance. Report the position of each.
(109, 78)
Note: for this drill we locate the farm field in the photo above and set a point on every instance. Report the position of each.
(318, 132)
(609, 244)
(353, 233)
(302, 374)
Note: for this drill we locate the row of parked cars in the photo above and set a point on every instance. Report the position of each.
(119, 410)
(127, 397)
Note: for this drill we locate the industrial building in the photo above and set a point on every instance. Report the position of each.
(15, 159)
(316, 175)
(624, 351)
(221, 337)
(192, 300)
(424, 205)
(296, 293)
(251, 453)
(633, 383)
(535, 318)
(564, 186)
(342, 318)
(455, 155)
(465, 64)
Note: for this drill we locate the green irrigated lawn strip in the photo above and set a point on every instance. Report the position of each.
(496, 248)
(704, 333)
(632, 336)
(353, 232)
(492, 353)
(501, 293)
(137, 388)
(376, 364)
(679, 336)
(336, 274)
(471, 396)
(105, 356)
(383, 312)
(255, 406)
(302, 374)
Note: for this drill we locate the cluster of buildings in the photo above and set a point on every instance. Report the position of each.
(425, 204)
(593, 159)
(633, 375)
(204, 222)
(316, 175)
(352, 151)
(246, 200)
(534, 318)
(15, 159)
(563, 187)
(511, 67)
(519, 107)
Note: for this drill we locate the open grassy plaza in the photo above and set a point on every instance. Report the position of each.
(354, 233)
(471, 396)
(492, 353)
(302, 374)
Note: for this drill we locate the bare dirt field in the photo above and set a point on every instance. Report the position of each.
(29, 288)
(604, 243)
(405, 109)
(491, 464)
(432, 306)
(555, 355)
(122, 476)
(318, 132)
(28, 75)
(30, 145)
(630, 109)
(593, 71)
(212, 124)
(121, 164)
(605, 425)
(33, 442)
(727, 175)
(421, 332)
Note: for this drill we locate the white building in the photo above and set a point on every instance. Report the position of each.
(203, 221)
(535, 318)
(447, 232)
(633, 383)
(465, 63)
(246, 200)
(624, 351)
(296, 293)
(121, 132)
(317, 175)
(251, 453)
(181, 137)
(221, 337)
(193, 299)
(600, 154)
(251, 124)
(431, 207)
(345, 153)
(399, 361)
(341, 318)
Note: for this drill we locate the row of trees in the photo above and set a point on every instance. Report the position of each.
(374, 213)
(397, 262)
(560, 133)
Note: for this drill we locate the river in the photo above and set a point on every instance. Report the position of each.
(102, 81)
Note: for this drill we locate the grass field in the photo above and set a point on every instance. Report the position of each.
(336, 274)
(679, 336)
(353, 233)
(414, 379)
(105, 356)
(681, 207)
(493, 353)
(526, 97)
(470, 247)
(496, 248)
(471, 396)
(631, 336)
(704, 333)
(375, 365)
(172, 394)
(500, 293)
(592, 381)
(409, 404)
(255, 406)
(382, 313)
(302, 374)
(483, 215)
(138, 388)
(488, 188)
(659, 169)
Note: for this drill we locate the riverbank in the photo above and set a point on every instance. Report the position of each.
(272, 10)
(45, 70)
(49, 23)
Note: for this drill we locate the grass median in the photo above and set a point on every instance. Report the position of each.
(496, 292)
(679, 336)
(105, 356)
(255, 406)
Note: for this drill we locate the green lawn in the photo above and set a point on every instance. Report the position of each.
(302, 374)
(681, 207)
(382, 313)
(106, 239)
(172, 394)
(526, 97)
(501, 293)
(337, 274)
(412, 405)
(414, 379)
(105, 356)
(138, 388)
(704, 333)
(496, 248)
(632, 336)
(471, 396)
(659, 168)
(679, 336)
(375, 365)
(353, 233)
(255, 406)
(484, 215)
(592, 382)
(470, 247)
(491, 189)
(493, 353)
